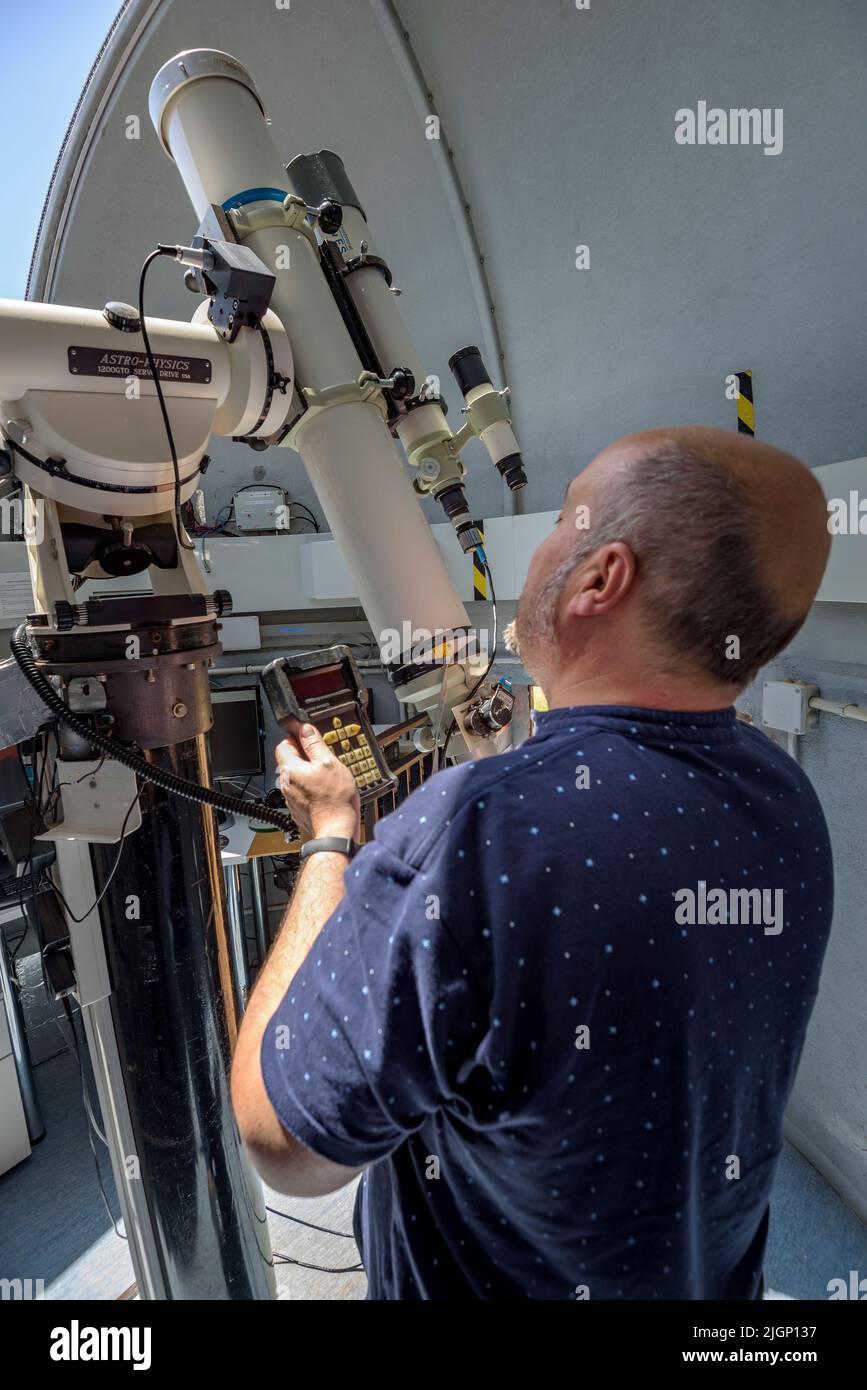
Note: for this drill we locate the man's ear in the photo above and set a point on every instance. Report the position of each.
(603, 581)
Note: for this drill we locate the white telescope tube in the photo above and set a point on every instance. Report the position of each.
(375, 302)
(395, 567)
(422, 429)
(210, 120)
(323, 175)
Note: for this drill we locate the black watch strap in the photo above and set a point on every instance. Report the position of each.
(330, 844)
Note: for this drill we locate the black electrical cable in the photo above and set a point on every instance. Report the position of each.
(90, 1122)
(29, 857)
(299, 506)
(58, 469)
(114, 868)
(13, 954)
(311, 1225)
(148, 262)
(111, 748)
(487, 671)
(232, 782)
(34, 802)
(21, 880)
(47, 811)
(322, 1269)
(88, 1103)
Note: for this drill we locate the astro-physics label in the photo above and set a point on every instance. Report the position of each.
(87, 361)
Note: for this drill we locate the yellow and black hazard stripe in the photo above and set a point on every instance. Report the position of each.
(746, 404)
(480, 579)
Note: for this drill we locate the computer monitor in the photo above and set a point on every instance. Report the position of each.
(237, 736)
(14, 786)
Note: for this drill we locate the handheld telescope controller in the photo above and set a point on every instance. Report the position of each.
(325, 688)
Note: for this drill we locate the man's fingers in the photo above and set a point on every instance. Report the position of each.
(308, 742)
(288, 753)
(296, 769)
(313, 744)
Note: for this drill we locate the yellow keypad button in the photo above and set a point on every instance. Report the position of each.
(337, 723)
(343, 758)
(352, 730)
(345, 745)
(331, 736)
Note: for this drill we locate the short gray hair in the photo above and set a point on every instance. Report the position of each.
(695, 537)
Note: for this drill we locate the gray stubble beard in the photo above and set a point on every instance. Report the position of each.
(535, 623)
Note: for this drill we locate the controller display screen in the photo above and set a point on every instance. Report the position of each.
(314, 685)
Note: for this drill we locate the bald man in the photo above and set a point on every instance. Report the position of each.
(554, 1011)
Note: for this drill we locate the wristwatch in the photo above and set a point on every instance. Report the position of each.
(330, 844)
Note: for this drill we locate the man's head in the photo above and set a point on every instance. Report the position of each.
(683, 560)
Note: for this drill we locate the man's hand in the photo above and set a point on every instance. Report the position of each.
(319, 790)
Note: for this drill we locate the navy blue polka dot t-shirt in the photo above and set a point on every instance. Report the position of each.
(558, 1013)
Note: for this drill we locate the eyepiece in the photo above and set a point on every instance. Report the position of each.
(511, 469)
(468, 369)
(489, 416)
(453, 501)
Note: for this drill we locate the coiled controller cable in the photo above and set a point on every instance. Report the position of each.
(110, 748)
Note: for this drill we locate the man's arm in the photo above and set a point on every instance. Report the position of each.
(322, 795)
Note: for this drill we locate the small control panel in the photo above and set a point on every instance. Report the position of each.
(325, 688)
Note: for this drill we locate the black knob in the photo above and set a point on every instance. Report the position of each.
(404, 383)
(64, 616)
(117, 558)
(122, 316)
(330, 215)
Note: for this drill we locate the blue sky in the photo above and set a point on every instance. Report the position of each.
(48, 49)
